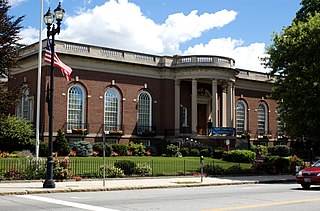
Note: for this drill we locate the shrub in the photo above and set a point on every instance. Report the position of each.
(121, 149)
(13, 174)
(127, 166)
(205, 152)
(112, 172)
(61, 144)
(137, 149)
(62, 169)
(211, 169)
(36, 169)
(143, 169)
(184, 151)
(277, 164)
(172, 150)
(281, 150)
(99, 148)
(83, 148)
(262, 150)
(194, 153)
(240, 156)
(217, 154)
(162, 146)
(43, 149)
(15, 134)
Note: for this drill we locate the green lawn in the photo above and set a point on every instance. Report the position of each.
(159, 165)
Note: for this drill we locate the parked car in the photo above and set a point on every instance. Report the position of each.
(309, 176)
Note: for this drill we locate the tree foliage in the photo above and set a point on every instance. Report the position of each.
(295, 63)
(16, 134)
(61, 144)
(9, 29)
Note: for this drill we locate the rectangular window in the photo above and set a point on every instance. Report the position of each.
(145, 143)
(112, 141)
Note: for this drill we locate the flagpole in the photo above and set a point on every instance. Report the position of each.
(39, 83)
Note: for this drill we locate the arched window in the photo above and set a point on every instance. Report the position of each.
(262, 118)
(241, 115)
(25, 108)
(144, 112)
(111, 110)
(75, 107)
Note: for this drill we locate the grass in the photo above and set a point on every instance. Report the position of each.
(160, 166)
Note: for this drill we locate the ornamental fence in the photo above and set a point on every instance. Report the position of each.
(31, 169)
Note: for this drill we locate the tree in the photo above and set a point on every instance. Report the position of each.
(9, 29)
(16, 134)
(9, 46)
(309, 7)
(294, 58)
(61, 144)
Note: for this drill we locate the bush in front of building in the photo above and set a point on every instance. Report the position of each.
(194, 152)
(127, 166)
(239, 156)
(205, 152)
(211, 169)
(136, 148)
(120, 149)
(172, 150)
(98, 147)
(184, 151)
(272, 165)
(142, 169)
(281, 150)
(82, 148)
(16, 134)
(61, 144)
(218, 153)
(112, 172)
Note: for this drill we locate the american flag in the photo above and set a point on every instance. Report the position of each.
(65, 69)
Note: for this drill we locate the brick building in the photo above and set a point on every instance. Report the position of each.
(145, 98)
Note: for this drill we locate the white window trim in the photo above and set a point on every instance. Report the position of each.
(83, 104)
(150, 111)
(245, 126)
(118, 108)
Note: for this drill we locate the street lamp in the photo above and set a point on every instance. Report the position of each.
(51, 31)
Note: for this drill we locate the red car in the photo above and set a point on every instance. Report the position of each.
(309, 176)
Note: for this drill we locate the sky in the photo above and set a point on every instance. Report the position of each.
(238, 29)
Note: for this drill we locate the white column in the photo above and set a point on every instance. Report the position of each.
(230, 104)
(194, 106)
(224, 106)
(177, 104)
(214, 103)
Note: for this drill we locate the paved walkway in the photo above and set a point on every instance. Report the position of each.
(35, 187)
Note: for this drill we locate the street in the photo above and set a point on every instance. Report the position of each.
(226, 197)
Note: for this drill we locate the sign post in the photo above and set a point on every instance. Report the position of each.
(201, 167)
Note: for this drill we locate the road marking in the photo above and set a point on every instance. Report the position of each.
(65, 203)
(264, 205)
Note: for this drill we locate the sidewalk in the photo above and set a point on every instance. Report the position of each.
(36, 187)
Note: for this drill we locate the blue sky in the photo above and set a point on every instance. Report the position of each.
(240, 29)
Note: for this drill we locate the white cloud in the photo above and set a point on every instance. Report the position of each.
(16, 2)
(246, 57)
(106, 25)
(29, 35)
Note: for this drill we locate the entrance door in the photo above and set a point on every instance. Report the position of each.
(202, 119)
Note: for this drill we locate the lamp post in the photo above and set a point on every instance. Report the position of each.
(51, 31)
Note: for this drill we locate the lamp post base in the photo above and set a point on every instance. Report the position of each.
(49, 183)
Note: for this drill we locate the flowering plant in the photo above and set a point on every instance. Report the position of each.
(62, 168)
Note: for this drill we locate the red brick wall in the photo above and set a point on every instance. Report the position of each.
(253, 98)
